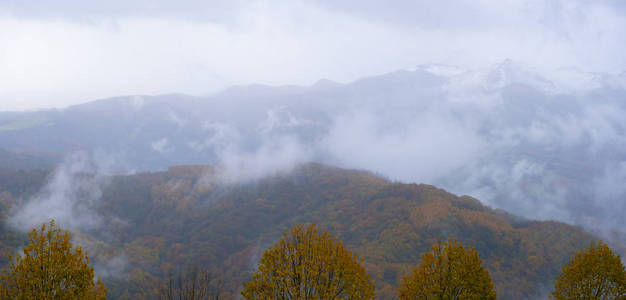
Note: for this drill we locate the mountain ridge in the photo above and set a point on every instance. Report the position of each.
(159, 220)
(541, 154)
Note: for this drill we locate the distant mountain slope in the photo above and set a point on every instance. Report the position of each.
(154, 222)
(541, 145)
(27, 161)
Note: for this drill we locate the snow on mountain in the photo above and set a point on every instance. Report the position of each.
(539, 144)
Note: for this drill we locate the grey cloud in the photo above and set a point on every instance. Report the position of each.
(277, 155)
(219, 11)
(418, 148)
(476, 15)
(68, 198)
(543, 145)
(532, 143)
(442, 14)
(517, 140)
(160, 145)
(466, 14)
(116, 266)
(198, 47)
(71, 195)
(176, 119)
(524, 187)
(265, 151)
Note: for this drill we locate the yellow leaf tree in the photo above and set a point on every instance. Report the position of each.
(448, 271)
(306, 264)
(50, 268)
(593, 273)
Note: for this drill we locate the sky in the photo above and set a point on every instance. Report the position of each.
(59, 53)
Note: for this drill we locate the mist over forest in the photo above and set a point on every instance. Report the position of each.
(129, 123)
(538, 147)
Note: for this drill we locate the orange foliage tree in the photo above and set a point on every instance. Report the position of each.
(448, 271)
(593, 273)
(50, 268)
(308, 265)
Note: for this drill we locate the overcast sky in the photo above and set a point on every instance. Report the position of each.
(58, 53)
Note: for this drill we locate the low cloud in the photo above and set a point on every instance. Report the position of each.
(512, 137)
(160, 145)
(275, 156)
(418, 148)
(525, 187)
(114, 267)
(176, 119)
(71, 198)
(264, 150)
(509, 135)
(199, 47)
(68, 198)
(71, 195)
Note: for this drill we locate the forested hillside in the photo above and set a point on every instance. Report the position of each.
(154, 223)
(532, 143)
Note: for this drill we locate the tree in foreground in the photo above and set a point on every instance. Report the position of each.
(593, 273)
(50, 268)
(448, 271)
(306, 264)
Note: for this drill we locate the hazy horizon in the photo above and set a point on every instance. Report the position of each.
(520, 104)
(55, 54)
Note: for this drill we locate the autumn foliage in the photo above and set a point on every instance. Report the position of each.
(50, 268)
(306, 264)
(593, 273)
(162, 220)
(448, 271)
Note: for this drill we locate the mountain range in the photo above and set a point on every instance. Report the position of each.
(543, 145)
(152, 183)
(146, 225)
